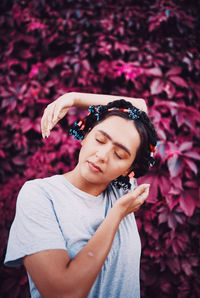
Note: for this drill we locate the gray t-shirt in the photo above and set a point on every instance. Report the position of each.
(51, 213)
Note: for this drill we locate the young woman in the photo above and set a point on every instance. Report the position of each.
(76, 233)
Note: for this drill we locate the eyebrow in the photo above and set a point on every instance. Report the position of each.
(115, 143)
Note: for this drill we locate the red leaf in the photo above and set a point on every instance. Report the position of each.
(25, 54)
(86, 64)
(26, 124)
(193, 155)
(155, 71)
(170, 90)
(187, 203)
(186, 266)
(171, 201)
(164, 185)
(162, 217)
(173, 71)
(18, 161)
(179, 81)
(153, 26)
(177, 182)
(174, 265)
(186, 146)
(153, 180)
(175, 165)
(191, 165)
(172, 221)
(156, 86)
(190, 184)
(2, 154)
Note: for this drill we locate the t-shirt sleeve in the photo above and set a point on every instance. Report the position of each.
(35, 226)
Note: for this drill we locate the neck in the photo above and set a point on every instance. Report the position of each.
(78, 181)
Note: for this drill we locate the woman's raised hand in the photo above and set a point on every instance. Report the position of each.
(132, 201)
(54, 112)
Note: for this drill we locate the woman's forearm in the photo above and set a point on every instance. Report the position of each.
(84, 100)
(84, 268)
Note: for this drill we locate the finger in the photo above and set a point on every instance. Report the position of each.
(47, 114)
(57, 115)
(140, 189)
(140, 201)
(48, 119)
(59, 112)
(142, 198)
(43, 124)
(45, 121)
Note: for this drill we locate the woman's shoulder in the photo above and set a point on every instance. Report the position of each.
(42, 182)
(36, 189)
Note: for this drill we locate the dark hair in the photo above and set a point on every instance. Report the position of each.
(142, 122)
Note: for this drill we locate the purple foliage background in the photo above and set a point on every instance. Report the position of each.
(144, 49)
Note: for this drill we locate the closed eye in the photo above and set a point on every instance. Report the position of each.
(100, 141)
(118, 156)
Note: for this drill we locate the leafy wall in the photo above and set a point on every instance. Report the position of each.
(138, 48)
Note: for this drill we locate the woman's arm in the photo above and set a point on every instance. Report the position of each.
(84, 100)
(57, 276)
(56, 110)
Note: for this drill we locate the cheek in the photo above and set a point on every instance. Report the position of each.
(118, 169)
(86, 149)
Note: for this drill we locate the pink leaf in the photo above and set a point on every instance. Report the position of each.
(175, 165)
(153, 180)
(190, 184)
(164, 185)
(173, 71)
(186, 146)
(171, 201)
(153, 26)
(162, 217)
(193, 155)
(179, 81)
(2, 154)
(26, 124)
(187, 203)
(156, 86)
(186, 266)
(18, 161)
(155, 71)
(174, 265)
(172, 221)
(86, 64)
(192, 166)
(170, 90)
(34, 26)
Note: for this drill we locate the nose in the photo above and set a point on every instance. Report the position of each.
(103, 152)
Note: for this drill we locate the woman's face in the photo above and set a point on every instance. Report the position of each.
(108, 151)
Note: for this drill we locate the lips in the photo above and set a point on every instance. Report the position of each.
(93, 167)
